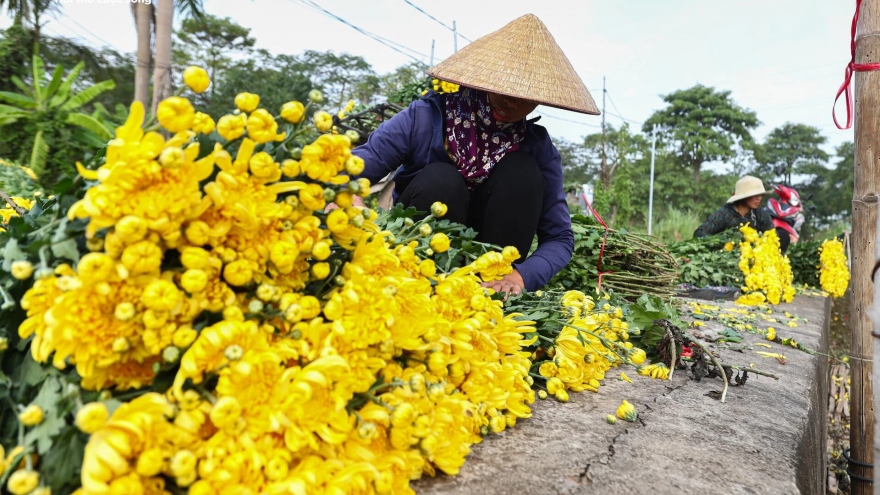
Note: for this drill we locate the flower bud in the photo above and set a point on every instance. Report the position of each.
(438, 209)
(196, 78)
(315, 96)
(22, 270)
(627, 411)
(233, 352)
(31, 415)
(353, 135)
(171, 354)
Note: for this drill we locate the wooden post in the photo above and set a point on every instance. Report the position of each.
(864, 213)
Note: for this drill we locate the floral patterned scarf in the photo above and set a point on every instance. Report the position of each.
(474, 139)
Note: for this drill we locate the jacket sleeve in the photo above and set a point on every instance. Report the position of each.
(764, 221)
(713, 225)
(388, 147)
(555, 237)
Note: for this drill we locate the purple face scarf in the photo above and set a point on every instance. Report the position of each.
(474, 139)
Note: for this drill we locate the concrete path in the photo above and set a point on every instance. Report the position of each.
(768, 438)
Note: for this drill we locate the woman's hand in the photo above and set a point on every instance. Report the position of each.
(511, 284)
(355, 201)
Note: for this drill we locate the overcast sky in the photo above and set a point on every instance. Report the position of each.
(783, 59)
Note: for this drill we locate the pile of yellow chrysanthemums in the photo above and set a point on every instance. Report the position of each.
(767, 273)
(594, 339)
(833, 269)
(310, 351)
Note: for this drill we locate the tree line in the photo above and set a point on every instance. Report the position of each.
(698, 127)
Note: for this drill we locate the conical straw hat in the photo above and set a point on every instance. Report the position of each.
(522, 60)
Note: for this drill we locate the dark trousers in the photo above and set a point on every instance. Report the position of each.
(504, 209)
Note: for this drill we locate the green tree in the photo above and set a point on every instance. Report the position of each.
(791, 148)
(406, 82)
(701, 124)
(14, 54)
(673, 189)
(276, 79)
(620, 148)
(98, 65)
(341, 77)
(43, 127)
(212, 43)
(831, 188)
(29, 13)
(575, 165)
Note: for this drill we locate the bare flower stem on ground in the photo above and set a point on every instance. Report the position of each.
(18, 209)
(717, 365)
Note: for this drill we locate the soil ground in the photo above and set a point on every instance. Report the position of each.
(838, 400)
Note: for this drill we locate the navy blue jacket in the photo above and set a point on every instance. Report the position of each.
(414, 138)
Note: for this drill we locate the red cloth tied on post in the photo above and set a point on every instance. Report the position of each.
(604, 238)
(851, 67)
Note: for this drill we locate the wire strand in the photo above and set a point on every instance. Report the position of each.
(379, 39)
(568, 120)
(618, 114)
(438, 21)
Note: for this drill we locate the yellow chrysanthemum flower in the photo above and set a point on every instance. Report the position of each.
(196, 79)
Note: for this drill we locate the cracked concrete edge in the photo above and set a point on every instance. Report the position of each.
(812, 449)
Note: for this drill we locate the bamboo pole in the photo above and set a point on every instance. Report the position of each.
(864, 213)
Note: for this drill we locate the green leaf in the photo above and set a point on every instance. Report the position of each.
(64, 246)
(38, 73)
(39, 153)
(652, 336)
(90, 123)
(30, 372)
(65, 87)
(18, 100)
(22, 86)
(65, 459)
(537, 315)
(11, 253)
(730, 335)
(53, 419)
(87, 95)
(56, 81)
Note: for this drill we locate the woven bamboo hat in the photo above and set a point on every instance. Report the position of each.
(521, 60)
(747, 187)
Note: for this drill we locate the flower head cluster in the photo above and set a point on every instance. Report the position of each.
(593, 340)
(833, 268)
(444, 86)
(767, 273)
(310, 352)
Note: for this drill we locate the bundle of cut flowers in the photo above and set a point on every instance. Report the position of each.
(767, 273)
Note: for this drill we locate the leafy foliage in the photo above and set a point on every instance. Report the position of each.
(704, 261)
(791, 148)
(15, 180)
(702, 124)
(43, 127)
(804, 259)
